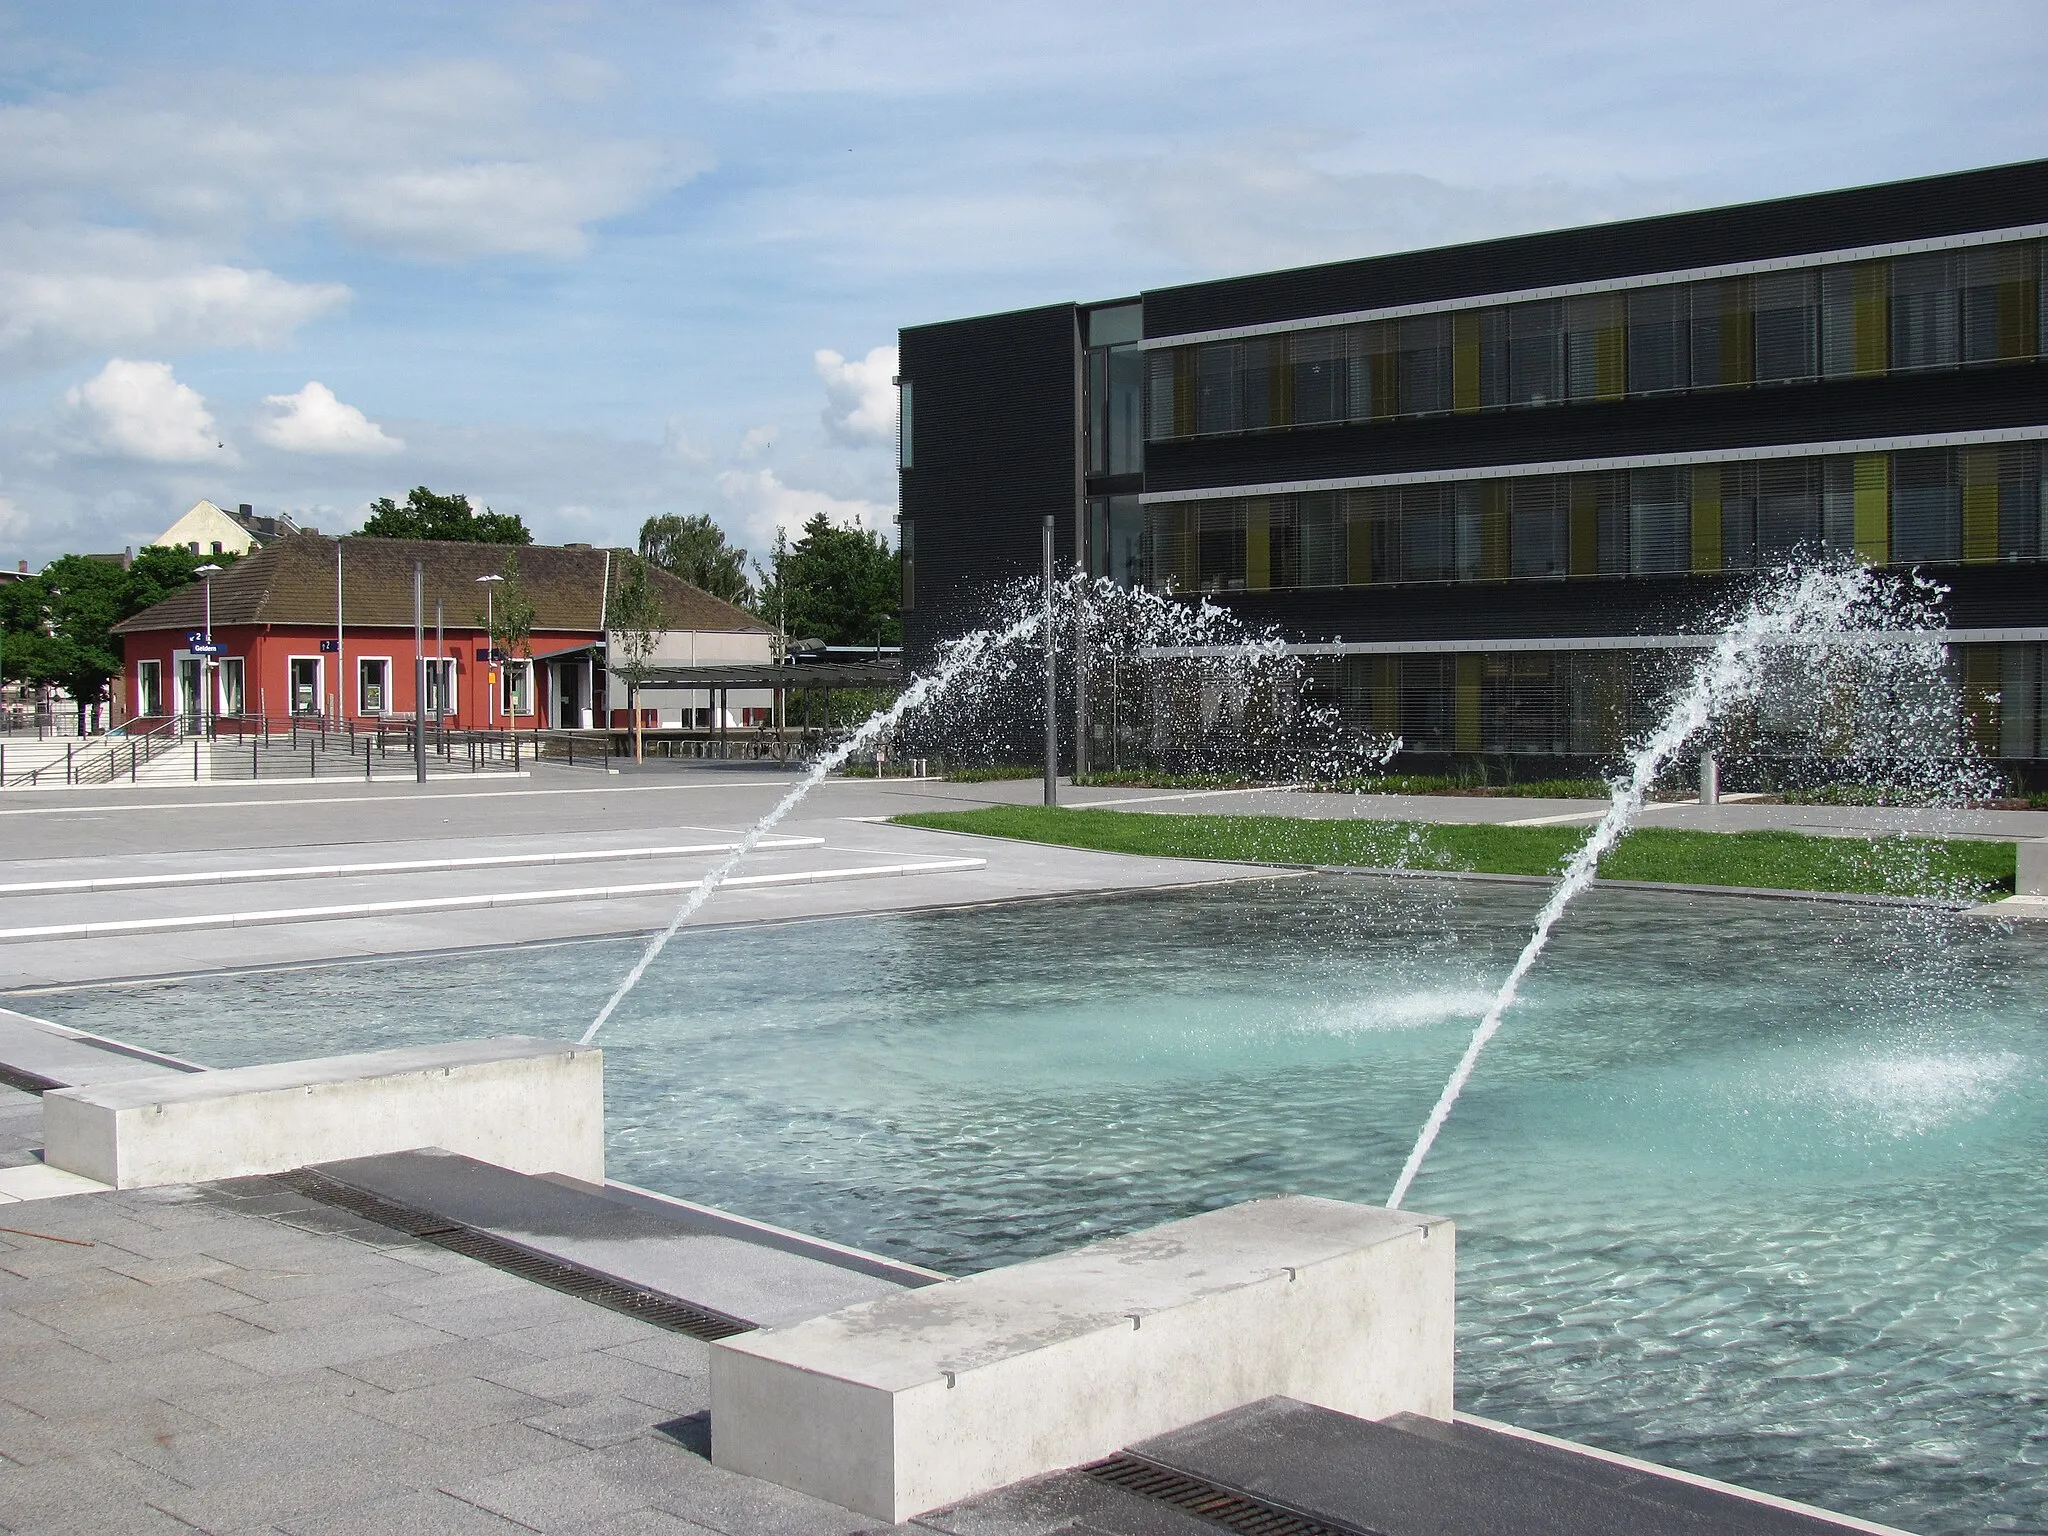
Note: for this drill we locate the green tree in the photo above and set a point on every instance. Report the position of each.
(60, 622)
(506, 614)
(694, 548)
(636, 623)
(426, 515)
(839, 585)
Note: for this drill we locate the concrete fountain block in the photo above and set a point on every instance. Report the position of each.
(899, 1405)
(529, 1104)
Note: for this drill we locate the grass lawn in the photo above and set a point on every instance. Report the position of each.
(1791, 861)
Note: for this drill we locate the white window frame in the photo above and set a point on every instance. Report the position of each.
(362, 708)
(510, 695)
(291, 701)
(447, 685)
(153, 669)
(220, 686)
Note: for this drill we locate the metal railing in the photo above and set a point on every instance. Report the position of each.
(251, 747)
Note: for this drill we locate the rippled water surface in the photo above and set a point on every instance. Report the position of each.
(1755, 1188)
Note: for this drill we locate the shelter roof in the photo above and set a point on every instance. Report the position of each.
(291, 581)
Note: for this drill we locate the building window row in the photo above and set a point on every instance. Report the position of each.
(1901, 314)
(1975, 505)
(1591, 704)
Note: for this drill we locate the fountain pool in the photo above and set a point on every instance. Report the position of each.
(1754, 1188)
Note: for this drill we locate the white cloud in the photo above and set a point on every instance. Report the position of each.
(861, 395)
(74, 292)
(445, 162)
(139, 410)
(757, 441)
(1275, 202)
(763, 504)
(313, 421)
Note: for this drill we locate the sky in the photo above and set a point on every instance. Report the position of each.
(591, 263)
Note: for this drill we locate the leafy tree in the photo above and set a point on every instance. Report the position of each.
(506, 614)
(636, 623)
(694, 548)
(59, 623)
(840, 585)
(428, 516)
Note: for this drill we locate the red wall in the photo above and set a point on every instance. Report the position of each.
(266, 651)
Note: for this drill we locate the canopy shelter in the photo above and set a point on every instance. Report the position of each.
(748, 674)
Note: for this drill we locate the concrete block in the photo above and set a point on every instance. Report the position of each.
(2031, 876)
(919, 1399)
(530, 1104)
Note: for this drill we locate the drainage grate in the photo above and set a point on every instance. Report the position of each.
(1232, 1510)
(541, 1268)
(27, 1081)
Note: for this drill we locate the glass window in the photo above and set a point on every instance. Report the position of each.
(1116, 538)
(1537, 537)
(906, 560)
(440, 685)
(1788, 512)
(1999, 293)
(230, 685)
(372, 677)
(1165, 400)
(1479, 348)
(2020, 502)
(1259, 408)
(1738, 517)
(1217, 366)
(1720, 334)
(1595, 346)
(1855, 329)
(1116, 327)
(1535, 353)
(1659, 521)
(1320, 537)
(1923, 311)
(1426, 702)
(516, 687)
(1319, 377)
(305, 681)
(1422, 365)
(149, 688)
(1126, 411)
(903, 422)
(1838, 504)
(1426, 535)
(1926, 507)
(1787, 311)
(1657, 351)
(1221, 550)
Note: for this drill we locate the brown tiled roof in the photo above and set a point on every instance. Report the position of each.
(291, 581)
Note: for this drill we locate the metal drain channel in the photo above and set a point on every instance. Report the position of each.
(1226, 1507)
(27, 1081)
(541, 1268)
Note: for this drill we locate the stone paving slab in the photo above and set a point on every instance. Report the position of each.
(212, 1362)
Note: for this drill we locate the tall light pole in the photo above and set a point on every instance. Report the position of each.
(490, 586)
(1052, 683)
(206, 573)
(419, 676)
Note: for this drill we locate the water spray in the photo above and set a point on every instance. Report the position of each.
(1817, 606)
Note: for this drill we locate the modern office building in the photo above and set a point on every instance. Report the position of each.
(1494, 489)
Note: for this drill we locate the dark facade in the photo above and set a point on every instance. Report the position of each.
(1491, 488)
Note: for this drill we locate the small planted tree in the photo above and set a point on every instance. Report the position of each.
(636, 624)
(507, 617)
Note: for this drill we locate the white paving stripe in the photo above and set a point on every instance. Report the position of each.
(1192, 794)
(104, 807)
(392, 867)
(468, 903)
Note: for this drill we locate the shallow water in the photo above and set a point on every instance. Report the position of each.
(1754, 1188)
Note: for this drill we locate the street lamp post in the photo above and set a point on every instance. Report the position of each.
(490, 586)
(206, 573)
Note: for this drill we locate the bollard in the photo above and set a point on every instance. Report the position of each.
(1710, 780)
(195, 761)
(366, 759)
(255, 764)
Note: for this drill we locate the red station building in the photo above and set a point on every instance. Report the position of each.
(312, 627)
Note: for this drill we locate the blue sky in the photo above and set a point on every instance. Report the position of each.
(594, 262)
